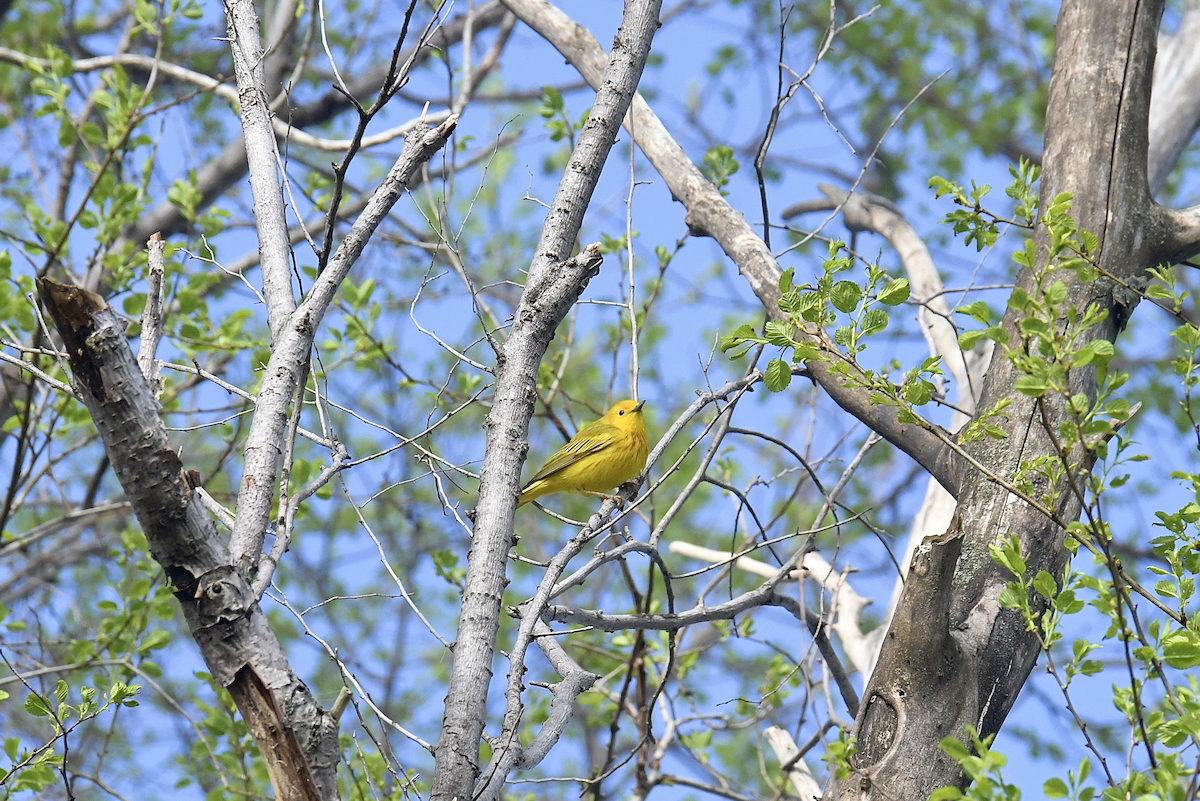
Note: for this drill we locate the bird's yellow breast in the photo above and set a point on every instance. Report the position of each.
(611, 467)
(601, 456)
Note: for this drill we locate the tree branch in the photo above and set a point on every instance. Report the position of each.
(709, 214)
(792, 761)
(224, 170)
(954, 656)
(270, 220)
(511, 755)
(864, 211)
(553, 285)
(1174, 102)
(1181, 233)
(297, 739)
(290, 351)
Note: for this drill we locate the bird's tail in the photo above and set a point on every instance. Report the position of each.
(531, 492)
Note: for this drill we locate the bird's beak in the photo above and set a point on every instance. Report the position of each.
(639, 406)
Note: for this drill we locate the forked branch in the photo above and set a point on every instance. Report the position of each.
(709, 214)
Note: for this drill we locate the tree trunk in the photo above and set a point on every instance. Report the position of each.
(298, 739)
(934, 681)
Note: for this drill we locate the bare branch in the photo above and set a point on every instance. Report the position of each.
(1174, 101)
(263, 159)
(291, 348)
(554, 283)
(709, 214)
(791, 760)
(225, 169)
(152, 315)
(514, 756)
(1182, 233)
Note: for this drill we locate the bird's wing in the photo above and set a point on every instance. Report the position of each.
(590, 439)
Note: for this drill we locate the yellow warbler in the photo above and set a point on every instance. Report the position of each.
(603, 455)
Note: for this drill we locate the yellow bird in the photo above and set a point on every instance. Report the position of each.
(603, 455)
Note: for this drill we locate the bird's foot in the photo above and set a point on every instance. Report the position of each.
(604, 496)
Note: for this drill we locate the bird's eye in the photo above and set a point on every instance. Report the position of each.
(621, 413)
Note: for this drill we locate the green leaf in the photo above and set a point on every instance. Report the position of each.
(720, 164)
(946, 794)
(1045, 584)
(978, 311)
(1032, 325)
(66, 133)
(997, 334)
(1007, 553)
(134, 304)
(36, 706)
(804, 353)
(779, 334)
(918, 392)
(744, 333)
(156, 639)
(845, 296)
(1032, 386)
(994, 431)
(874, 321)
(778, 375)
(1056, 294)
(940, 186)
(1089, 241)
(1181, 650)
(954, 748)
(1019, 299)
(785, 280)
(1011, 597)
(92, 133)
(895, 293)
(552, 102)
(1055, 788)
(967, 340)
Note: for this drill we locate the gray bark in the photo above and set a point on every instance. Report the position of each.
(933, 680)
(1175, 103)
(297, 739)
(290, 351)
(270, 220)
(553, 285)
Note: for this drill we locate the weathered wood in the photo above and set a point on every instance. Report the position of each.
(964, 661)
(298, 740)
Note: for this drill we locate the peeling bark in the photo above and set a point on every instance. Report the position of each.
(298, 740)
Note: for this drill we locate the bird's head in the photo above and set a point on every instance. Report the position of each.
(625, 412)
